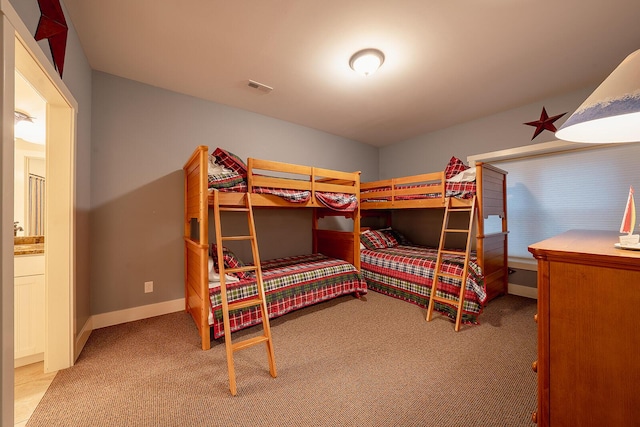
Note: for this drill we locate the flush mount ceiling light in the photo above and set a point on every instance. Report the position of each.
(26, 129)
(366, 61)
(612, 112)
(19, 116)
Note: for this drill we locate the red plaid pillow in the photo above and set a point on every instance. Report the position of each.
(454, 167)
(395, 234)
(230, 261)
(231, 161)
(374, 239)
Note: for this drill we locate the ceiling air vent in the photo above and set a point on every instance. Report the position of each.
(260, 86)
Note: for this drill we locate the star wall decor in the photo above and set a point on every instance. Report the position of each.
(544, 123)
(53, 26)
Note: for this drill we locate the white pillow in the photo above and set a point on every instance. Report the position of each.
(215, 168)
(468, 175)
(214, 276)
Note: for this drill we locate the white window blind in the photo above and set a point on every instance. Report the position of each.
(553, 193)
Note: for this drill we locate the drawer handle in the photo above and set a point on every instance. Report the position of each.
(534, 366)
(534, 417)
(535, 317)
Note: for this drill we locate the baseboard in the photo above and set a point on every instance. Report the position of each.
(137, 313)
(82, 337)
(523, 291)
(28, 360)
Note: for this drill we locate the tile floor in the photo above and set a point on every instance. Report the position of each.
(30, 385)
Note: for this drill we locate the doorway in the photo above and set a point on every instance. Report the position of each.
(59, 242)
(21, 53)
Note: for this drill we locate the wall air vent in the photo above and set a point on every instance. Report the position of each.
(261, 87)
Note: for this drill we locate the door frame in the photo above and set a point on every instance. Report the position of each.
(21, 52)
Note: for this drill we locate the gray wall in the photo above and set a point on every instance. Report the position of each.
(432, 151)
(142, 136)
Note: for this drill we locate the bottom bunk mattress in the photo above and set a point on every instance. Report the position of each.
(290, 283)
(406, 272)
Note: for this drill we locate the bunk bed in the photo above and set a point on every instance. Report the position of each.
(332, 270)
(396, 267)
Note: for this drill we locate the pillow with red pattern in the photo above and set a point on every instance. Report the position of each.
(230, 261)
(230, 161)
(376, 239)
(454, 167)
(395, 234)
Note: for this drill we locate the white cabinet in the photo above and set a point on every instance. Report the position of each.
(28, 309)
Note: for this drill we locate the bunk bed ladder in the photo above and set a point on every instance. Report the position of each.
(438, 273)
(259, 300)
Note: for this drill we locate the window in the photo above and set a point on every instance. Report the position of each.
(552, 192)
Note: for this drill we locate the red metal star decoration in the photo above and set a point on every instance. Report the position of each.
(544, 123)
(53, 26)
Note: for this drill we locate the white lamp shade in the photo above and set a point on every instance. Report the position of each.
(612, 112)
(366, 61)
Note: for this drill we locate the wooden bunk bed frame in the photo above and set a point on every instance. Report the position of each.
(491, 192)
(343, 245)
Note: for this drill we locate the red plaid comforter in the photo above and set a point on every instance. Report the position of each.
(406, 272)
(335, 201)
(461, 190)
(290, 283)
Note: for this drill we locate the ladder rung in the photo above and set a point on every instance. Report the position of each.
(249, 343)
(449, 276)
(460, 208)
(444, 251)
(238, 269)
(234, 209)
(444, 300)
(237, 237)
(244, 304)
(456, 230)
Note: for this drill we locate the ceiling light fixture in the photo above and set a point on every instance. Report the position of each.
(19, 116)
(25, 128)
(612, 112)
(366, 61)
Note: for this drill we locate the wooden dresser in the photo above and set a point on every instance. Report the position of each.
(588, 318)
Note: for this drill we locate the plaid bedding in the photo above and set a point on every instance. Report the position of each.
(293, 196)
(461, 190)
(406, 272)
(337, 201)
(290, 283)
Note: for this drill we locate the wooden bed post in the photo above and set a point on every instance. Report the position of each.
(196, 247)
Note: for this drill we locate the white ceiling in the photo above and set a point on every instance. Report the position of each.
(447, 61)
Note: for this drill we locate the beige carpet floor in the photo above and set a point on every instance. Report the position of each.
(347, 362)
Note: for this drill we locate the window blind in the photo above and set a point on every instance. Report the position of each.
(584, 189)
